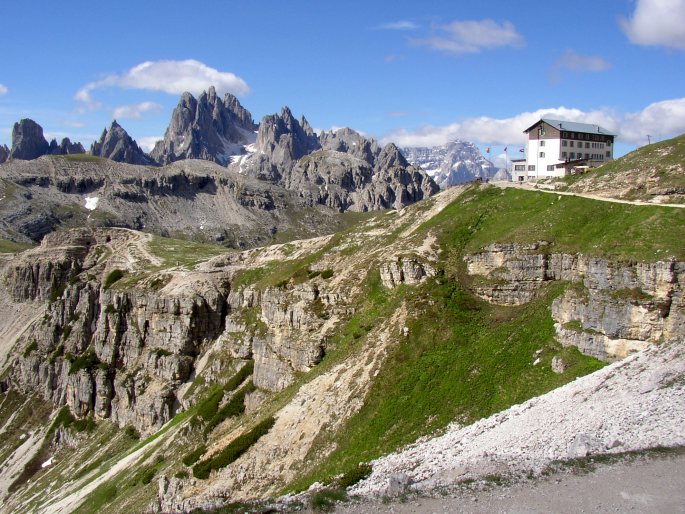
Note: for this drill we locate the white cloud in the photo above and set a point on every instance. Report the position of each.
(398, 25)
(173, 77)
(3, 89)
(148, 143)
(575, 62)
(657, 23)
(461, 37)
(136, 111)
(660, 120)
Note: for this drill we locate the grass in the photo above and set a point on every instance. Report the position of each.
(81, 157)
(234, 450)
(487, 214)
(112, 277)
(12, 247)
(178, 252)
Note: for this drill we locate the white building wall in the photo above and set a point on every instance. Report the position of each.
(541, 154)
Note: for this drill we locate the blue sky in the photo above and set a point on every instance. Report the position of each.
(413, 72)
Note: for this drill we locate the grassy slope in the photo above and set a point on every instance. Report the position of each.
(465, 359)
(654, 167)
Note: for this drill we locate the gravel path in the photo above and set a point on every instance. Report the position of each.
(531, 187)
(644, 483)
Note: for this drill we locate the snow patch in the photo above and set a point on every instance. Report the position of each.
(92, 203)
(47, 463)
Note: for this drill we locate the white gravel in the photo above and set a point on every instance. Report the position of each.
(634, 404)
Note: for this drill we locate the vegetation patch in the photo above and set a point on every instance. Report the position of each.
(325, 500)
(234, 407)
(191, 458)
(234, 450)
(32, 347)
(12, 247)
(88, 361)
(113, 276)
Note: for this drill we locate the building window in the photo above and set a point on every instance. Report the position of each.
(519, 167)
(564, 143)
(542, 154)
(608, 154)
(570, 144)
(587, 145)
(573, 155)
(550, 167)
(542, 143)
(564, 155)
(587, 155)
(531, 167)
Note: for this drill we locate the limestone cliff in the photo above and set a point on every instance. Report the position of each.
(613, 308)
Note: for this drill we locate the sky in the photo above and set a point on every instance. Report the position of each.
(414, 73)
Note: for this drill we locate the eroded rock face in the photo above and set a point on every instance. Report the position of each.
(115, 144)
(610, 311)
(28, 141)
(113, 353)
(405, 271)
(4, 153)
(206, 128)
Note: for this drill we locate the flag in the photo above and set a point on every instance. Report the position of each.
(505, 148)
(521, 150)
(487, 150)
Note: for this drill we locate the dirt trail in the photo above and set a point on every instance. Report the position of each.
(531, 187)
(644, 484)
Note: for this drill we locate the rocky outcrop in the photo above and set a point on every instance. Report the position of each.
(28, 141)
(284, 140)
(115, 144)
(611, 309)
(206, 128)
(66, 147)
(408, 271)
(455, 162)
(4, 153)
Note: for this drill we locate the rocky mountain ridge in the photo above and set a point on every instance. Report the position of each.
(115, 144)
(206, 128)
(29, 143)
(341, 171)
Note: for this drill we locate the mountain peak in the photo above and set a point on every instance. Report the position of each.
(115, 144)
(205, 128)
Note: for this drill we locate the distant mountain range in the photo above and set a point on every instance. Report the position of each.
(223, 131)
(212, 149)
(453, 163)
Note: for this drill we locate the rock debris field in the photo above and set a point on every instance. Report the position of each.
(634, 404)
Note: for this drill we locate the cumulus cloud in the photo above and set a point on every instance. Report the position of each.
(462, 37)
(3, 89)
(173, 77)
(572, 61)
(657, 23)
(661, 119)
(398, 25)
(148, 143)
(135, 111)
